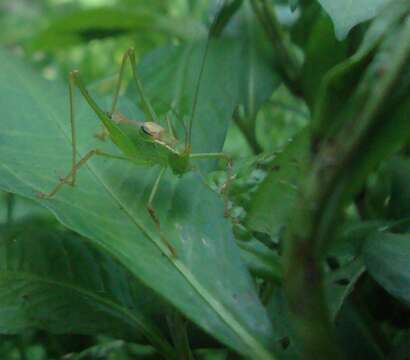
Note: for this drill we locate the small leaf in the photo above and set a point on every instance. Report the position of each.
(391, 193)
(348, 13)
(387, 260)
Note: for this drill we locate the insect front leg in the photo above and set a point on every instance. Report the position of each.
(147, 107)
(104, 132)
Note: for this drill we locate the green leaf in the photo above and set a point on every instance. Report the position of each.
(337, 286)
(389, 197)
(113, 349)
(387, 260)
(170, 76)
(294, 4)
(14, 207)
(337, 100)
(346, 14)
(280, 314)
(356, 334)
(271, 204)
(345, 157)
(258, 79)
(101, 22)
(108, 204)
(340, 283)
(261, 261)
(322, 52)
(280, 120)
(51, 279)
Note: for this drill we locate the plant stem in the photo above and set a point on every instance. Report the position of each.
(338, 168)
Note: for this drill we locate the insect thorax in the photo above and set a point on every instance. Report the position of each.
(180, 163)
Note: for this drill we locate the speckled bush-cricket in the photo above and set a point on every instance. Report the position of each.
(140, 142)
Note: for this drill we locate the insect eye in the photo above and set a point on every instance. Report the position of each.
(145, 130)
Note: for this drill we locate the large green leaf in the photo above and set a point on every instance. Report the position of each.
(387, 258)
(348, 13)
(207, 281)
(51, 279)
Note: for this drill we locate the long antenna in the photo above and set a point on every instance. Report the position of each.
(226, 11)
(191, 120)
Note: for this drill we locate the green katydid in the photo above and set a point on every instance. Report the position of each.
(143, 143)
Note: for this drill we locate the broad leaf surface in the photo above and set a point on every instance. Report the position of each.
(387, 260)
(207, 281)
(51, 279)
(346, 14)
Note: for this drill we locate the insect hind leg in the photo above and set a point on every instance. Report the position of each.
(67, 180)
(153, 214)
